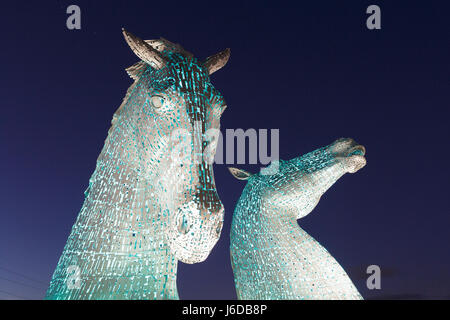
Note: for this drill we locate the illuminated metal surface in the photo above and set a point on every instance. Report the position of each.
(271, 256)
(144, 209)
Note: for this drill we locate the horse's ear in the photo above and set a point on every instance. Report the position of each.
(240, 174)
(217, 61)
(144, 51)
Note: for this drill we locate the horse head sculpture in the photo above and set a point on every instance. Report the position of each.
(178, 96)
(145, 209)
(272, 257)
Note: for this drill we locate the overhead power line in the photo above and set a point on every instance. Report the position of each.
(15, 295)
(23, 276)
(22, 284)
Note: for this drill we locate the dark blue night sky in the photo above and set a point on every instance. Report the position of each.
(309, 68)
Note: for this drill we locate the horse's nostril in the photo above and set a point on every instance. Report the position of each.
(183, 224)
(357, 150)
(219, 227)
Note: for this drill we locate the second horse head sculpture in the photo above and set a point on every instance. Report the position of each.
(271, 256)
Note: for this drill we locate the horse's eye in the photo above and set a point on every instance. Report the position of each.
(157, 101)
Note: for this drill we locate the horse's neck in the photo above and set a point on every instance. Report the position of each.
(289, 263)
(272, 245)
(283, 230)
(122, 200)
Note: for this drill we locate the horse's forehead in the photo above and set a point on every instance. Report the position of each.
(188, 70)
(192, 80)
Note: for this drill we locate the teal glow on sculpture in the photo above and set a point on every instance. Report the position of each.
(144, 209)
(271, 256)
